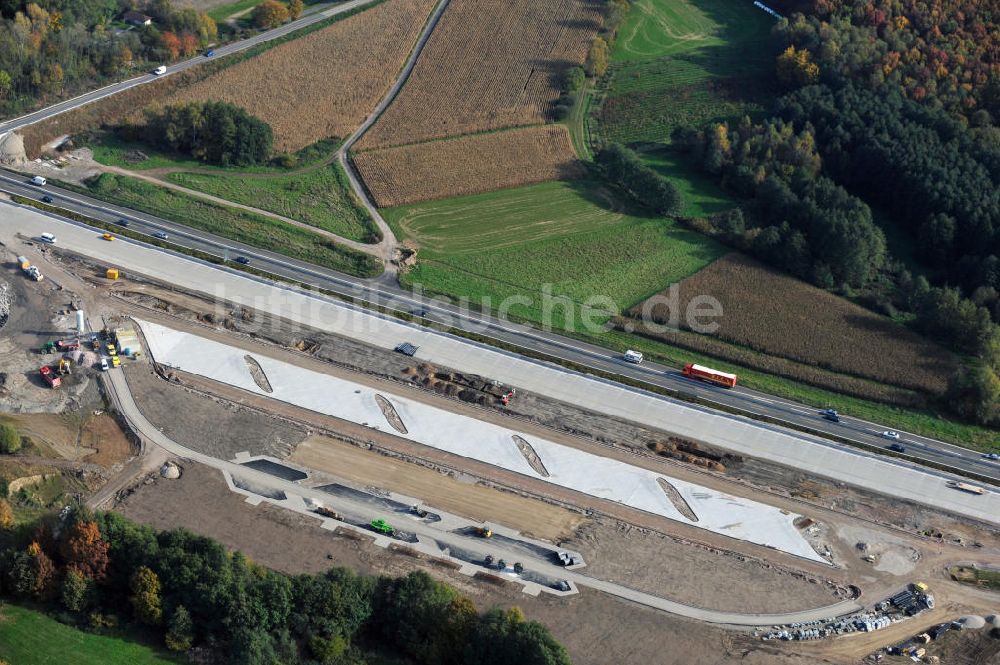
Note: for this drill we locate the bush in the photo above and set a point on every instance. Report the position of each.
(10, 440)
(215, 132)
(624, 168)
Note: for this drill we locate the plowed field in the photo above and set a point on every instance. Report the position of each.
(325, 84)
(773, 313)
(488, 65)
(467, 165)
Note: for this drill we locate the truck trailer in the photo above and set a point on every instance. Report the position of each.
(965, 487)
(711, 375)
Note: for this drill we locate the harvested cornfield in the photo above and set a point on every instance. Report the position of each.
(488, 65)
(775, 314)
(324, 84)
(467, 165)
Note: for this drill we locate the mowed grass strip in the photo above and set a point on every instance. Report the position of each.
(468, 165)
(326, 83)
(575, 237)
(238, 225)
(488, 65)
(28, 637)
(320, 197)
(776, 314)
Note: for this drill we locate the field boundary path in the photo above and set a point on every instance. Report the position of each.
(389, 241)
(121, 396)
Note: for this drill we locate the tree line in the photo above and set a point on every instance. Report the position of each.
(51, 48)
(215, 132)
(97, 570)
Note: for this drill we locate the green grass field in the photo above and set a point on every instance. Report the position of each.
(574, 236)
(235, 224)
(702, 195)
(28, 637)
(321, 197)
(684, 63)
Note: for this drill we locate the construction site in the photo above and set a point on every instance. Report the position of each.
(312, 446)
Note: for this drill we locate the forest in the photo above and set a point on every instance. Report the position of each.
(98, 571)
(50, 49)
(892, 104)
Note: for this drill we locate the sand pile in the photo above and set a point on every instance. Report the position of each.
(12, 149)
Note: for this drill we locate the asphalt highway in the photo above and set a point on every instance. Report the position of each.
(386, 294)
(228, 49)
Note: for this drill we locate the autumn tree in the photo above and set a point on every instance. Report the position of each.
(45, 573)
(270, 14)
(597, 59)
(171, 43)
(6, 515)
(795, 68)
(295, 8)
(85, 551)
(75, 591)
(145, 596)
(189, 43)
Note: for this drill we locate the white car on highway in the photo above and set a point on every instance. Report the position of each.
(890, 434)
(992, 456)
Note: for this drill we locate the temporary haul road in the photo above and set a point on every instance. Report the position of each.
(391, 296)
(229, 49)
(742, 435)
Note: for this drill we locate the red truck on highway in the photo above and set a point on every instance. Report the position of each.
(711, 375)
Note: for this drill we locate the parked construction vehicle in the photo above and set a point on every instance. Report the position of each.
(49, 378)
(28, 269)
(711, 375)
(381, 526)
(484, 532)
(65, 367)
(67, 345)
(48, 347)
(326, 512)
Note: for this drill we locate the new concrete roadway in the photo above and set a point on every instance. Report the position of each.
(432, 539)
(228, 49)
(814, 455)
(391, 296)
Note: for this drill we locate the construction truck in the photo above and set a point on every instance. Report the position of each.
(326, 512)
(49, 378)
(67, 345)
(381, 526)
(28, 269)
(484, 532)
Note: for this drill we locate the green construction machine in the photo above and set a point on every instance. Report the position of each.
(381, 526)
(48, 347)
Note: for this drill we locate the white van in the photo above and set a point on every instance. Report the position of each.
(38, 180)
(633, 357)
(160, 70)
(47, 237)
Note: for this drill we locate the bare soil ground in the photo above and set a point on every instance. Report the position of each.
(596, 629)
(467, 165)
(217, 427)
(324, 84)
(96, 439)
(451, 493)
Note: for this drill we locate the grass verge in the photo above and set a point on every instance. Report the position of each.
(238, 225)
(28, 637)
(984, 579)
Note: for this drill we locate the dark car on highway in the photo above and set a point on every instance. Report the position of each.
(897, 447)
(122, 222)
(46, 199)
(243, 260)
(831, 415)
(209, 53)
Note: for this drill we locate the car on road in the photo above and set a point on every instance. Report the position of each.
(242, 260)
(47, 237)
(210, 53)
(161, 235)
(104, 364)
(159, 71)
(992, 456)
(108, 237)
(418, 311)
(46, 199)
(38, 180)
(631, 356)
(897, 447)
(890, 434)
(831, 415)
(122, 222)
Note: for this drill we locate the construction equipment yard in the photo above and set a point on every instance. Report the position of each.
(309, 446)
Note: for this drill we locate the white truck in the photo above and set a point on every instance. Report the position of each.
(38, 180)
(159, 71)
(28, 269)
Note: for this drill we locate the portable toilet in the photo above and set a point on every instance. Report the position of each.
(112, 273)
